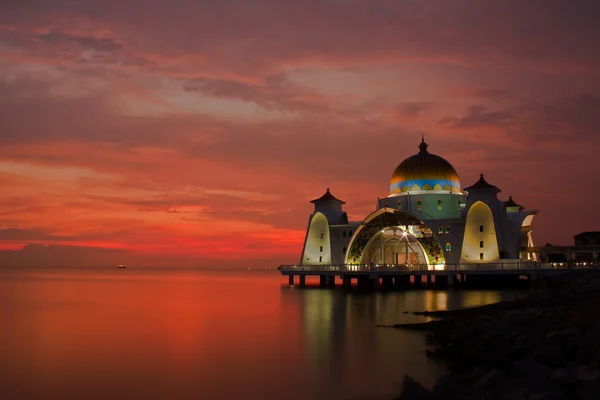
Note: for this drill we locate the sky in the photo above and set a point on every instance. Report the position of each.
(195, 133)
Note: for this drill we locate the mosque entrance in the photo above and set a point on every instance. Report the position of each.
(393, 246)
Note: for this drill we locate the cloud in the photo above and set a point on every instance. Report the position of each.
(579, 112)
(28, 235)
(550, 36)
(195, 125)
(34, 255)
(480, 117)
(481, 92)
(275, 93)
(84, 42)
(411, 109)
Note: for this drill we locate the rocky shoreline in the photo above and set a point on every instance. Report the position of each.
(542, 347)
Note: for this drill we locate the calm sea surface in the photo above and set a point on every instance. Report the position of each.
(157, 334)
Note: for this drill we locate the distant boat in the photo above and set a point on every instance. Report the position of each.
(121, 266)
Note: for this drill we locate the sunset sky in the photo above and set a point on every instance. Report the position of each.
(195, 133)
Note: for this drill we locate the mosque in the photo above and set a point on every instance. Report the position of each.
(427, 220)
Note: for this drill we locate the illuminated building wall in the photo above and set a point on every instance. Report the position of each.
(480, 244)
(427, 206)
(317, 245)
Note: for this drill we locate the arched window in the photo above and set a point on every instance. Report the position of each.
(448, 247)
(419, 205)
(447, 228)
(344, 250)
(399, 205)
(343, 233)
(439, 204)
(459, 207)
(349, 233)
(440, 229)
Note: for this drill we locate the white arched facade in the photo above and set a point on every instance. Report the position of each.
(317, 244)
(480, 243)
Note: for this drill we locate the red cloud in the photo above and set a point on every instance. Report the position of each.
(190, 134)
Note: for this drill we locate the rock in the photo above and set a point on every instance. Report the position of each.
(477, 373)
(530, 369)
(557, 336)
(413, 390)
(448, 386)
(431, 353)
(519, 351)
(561, 312)
(518, 394)
(546, 396)
(582, 374)
(560, 375)
(527, 314)
(550, 355)
(591, 391)
(499, 328)
(499, 358)
(490, 379)
(462, 329)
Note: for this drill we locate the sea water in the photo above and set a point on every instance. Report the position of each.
(190, 334)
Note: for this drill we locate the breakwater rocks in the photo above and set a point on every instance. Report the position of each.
(543, 347)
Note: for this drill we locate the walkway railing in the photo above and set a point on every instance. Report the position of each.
(515, 266)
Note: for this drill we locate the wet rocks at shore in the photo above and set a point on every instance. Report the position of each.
(543, 347)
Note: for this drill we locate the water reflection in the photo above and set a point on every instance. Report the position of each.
(345, 351)
(190, 334)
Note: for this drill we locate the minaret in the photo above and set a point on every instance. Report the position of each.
(331, 207)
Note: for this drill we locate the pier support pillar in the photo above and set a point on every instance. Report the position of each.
(441, 281)
(363, 282)
(452, 280)
(402, 281)
(418, 281)
(322, 280)
(430, 279)
(387, 282)
(347, 282)
(291, 280)
(302, 279)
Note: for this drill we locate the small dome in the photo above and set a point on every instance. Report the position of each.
(424, 172)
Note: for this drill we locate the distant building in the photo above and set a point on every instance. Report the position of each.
(426, 219)
(587, 239)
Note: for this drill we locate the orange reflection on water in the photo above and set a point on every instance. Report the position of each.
(141, 333)
(188, 334)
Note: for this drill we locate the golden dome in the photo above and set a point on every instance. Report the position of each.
(423, 172)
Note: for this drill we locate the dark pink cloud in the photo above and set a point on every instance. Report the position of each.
(175, 130)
